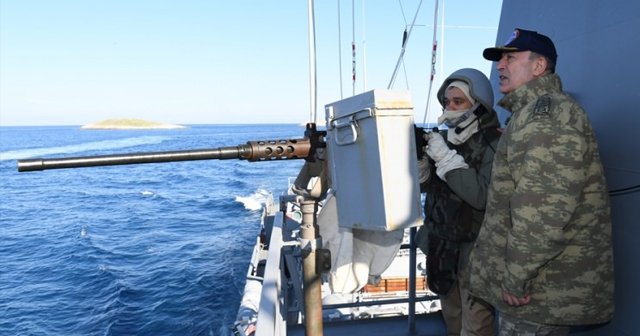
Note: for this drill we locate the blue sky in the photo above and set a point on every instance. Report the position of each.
(69, 62)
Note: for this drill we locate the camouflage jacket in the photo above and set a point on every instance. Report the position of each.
(547, 228)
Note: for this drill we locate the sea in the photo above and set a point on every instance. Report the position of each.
(149, 249)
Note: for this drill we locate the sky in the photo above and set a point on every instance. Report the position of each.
(75, 62)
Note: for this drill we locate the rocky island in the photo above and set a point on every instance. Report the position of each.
(122, 124)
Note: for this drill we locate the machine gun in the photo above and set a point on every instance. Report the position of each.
(265, 150)
(315, 260)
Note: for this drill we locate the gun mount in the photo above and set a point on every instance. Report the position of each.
(266, 150)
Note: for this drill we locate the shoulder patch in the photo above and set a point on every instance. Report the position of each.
(542, 107)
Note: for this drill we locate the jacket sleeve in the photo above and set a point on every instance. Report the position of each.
(548, 183)
(471, 184)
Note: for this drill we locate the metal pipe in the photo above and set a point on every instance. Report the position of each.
(124, 159)
(252, 151)
(313, 92)
(412, 280)
(311, 278)
(378, 302)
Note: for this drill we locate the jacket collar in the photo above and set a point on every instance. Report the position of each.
(529, 92)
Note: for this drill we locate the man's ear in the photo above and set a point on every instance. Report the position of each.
(540, 66)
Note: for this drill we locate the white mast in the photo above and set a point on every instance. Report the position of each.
(364, 49)
(313, 93)
(442, 75)
(340, 51)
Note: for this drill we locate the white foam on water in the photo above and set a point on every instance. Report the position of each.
(254, 201)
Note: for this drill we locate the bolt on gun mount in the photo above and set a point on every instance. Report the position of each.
(267, 150)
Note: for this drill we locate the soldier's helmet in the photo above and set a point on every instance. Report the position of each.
(479, 86)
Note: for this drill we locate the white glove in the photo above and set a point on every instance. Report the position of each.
(437, 149)
(446, 159)
(450, 163)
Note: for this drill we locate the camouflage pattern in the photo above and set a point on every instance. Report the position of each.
(510, 326)
(547, 229)
(454, 209)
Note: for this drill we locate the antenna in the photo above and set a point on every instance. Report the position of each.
(433, 62)
(404, 46)
(353, 46)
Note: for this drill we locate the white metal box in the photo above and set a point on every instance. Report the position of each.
(372, 159)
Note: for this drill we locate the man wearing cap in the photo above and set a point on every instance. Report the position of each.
(543, 257)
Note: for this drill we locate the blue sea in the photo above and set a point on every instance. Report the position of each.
(152, 249)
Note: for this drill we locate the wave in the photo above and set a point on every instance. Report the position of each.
(84, 147)
(254, 201)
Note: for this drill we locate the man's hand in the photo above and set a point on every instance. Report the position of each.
(513, 300)
(437, 149)
(446, 159)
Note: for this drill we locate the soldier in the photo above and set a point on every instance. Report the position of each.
(455, 176)
(543, 257)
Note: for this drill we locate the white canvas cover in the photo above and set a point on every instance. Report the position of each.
(356, 255)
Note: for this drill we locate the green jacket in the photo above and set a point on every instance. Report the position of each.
(547, 228)
(454, 209)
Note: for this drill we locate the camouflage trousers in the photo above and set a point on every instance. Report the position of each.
(513, 326)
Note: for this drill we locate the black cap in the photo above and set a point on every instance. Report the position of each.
(524, 40)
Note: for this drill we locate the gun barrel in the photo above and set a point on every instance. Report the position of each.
(252, 151)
